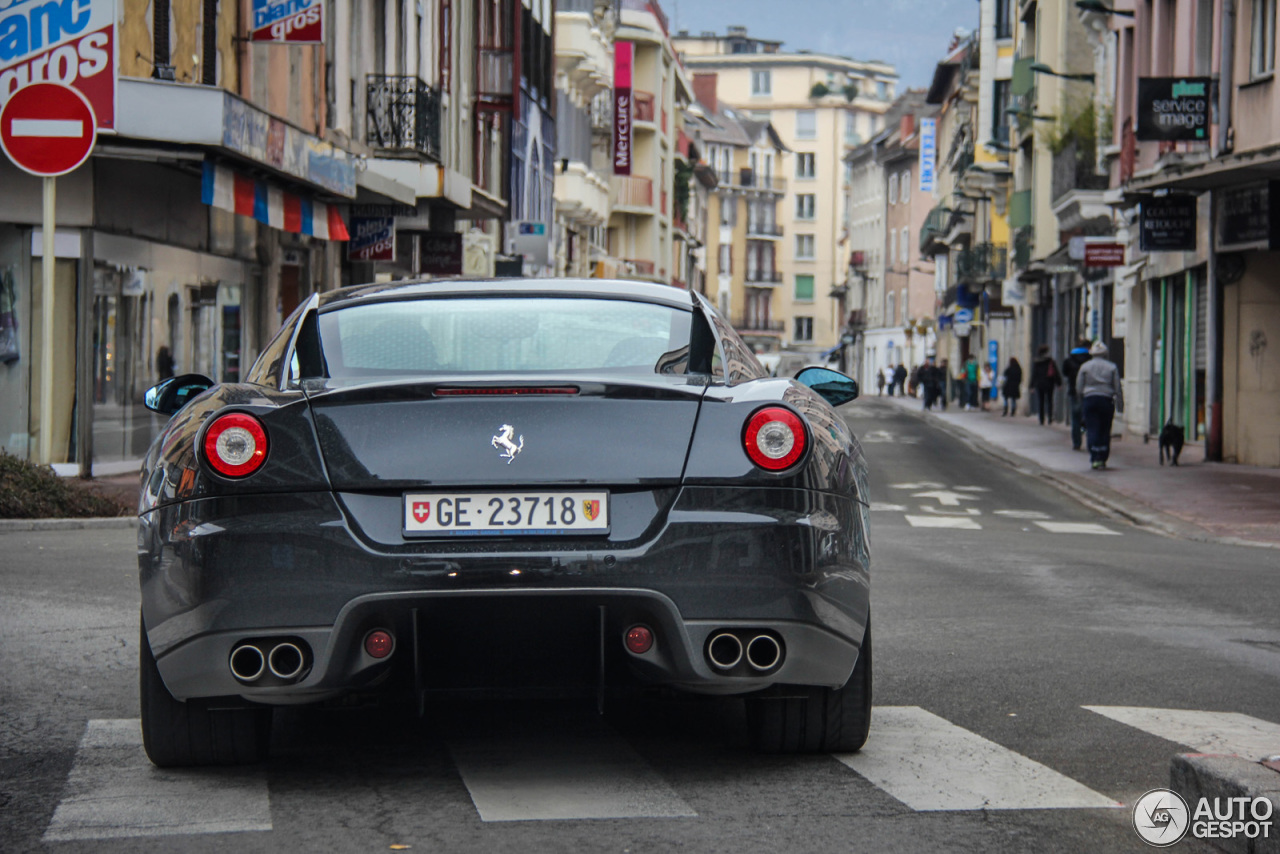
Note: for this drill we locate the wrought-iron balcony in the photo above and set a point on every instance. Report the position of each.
(764, 230)
(935, 226)
(1023, 240)
(402, 115)
(763, 278)
(749, 179)
(751, 324)
(984, 262)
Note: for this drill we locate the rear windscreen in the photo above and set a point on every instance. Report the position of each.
(504, 335)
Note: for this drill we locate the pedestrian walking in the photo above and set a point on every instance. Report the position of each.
(900, 379)
(1098, 386)
(944, 382)
(1045, 377)
(880, 383)
(929, 382)
(1070, 367)
(971, 382)
(1011, 387)
(913, 382)
(986, 379)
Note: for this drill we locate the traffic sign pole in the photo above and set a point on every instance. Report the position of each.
(49, 222)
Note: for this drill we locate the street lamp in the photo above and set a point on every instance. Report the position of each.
(1041, 68)
(1101, 8)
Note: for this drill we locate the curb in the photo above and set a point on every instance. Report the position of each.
(1220, 778)
(1095, 496)
(87, 524)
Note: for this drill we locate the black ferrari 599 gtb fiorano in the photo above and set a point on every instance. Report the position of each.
(502, 487)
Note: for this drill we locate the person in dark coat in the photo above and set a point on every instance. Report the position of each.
(1045, 377)
(1011, 388)
(1070, 367)
(900, 379)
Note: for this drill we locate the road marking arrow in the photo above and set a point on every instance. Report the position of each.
(945, 497)
(922, 485)
(963, 511)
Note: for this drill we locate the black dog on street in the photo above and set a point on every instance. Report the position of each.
(1171, 439)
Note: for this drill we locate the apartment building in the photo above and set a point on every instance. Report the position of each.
(744, 238)
(584, 111)
(864, 206)
(235, 172)
(640, 233)
(821, 106)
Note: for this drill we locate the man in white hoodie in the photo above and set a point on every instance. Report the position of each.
(1098, 388)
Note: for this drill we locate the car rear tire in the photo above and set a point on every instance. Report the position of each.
(177, 734)
(821, 720)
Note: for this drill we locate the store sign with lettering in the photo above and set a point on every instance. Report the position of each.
(928, 153)
(441, 254)
(288, 21)
(1174, 108)
(622, 57)
(1168, 224)
(372, 239)
(1104, 254)
(1246, 219)
(72, 42)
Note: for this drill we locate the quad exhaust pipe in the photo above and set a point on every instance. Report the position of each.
(285, 661)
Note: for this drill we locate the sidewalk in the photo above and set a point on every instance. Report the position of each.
(1197, 500)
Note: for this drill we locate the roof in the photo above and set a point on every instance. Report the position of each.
(410, 289)
(821, 60)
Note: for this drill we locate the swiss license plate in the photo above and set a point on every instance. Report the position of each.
(507, 513)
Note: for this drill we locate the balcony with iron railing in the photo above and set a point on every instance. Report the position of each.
(749, 179)
(495, 75)
(936, 224)
(752, 324)
(633, 192)
(764, 230)
(1023, 241)
(984, 262)
(761, 278)
(402, 115)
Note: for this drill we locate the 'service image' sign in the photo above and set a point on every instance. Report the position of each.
(71, 42)
(287, 21)
(1174, 108)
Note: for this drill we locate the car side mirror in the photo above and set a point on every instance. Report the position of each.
(174, 393)
(832, 386)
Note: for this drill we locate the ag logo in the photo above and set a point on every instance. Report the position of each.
(1161, 817)
(590, 509)
(422, 511)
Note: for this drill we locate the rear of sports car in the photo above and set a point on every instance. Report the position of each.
(504, 491)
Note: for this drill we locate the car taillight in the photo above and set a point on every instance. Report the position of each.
(235, 445)
(775, 438)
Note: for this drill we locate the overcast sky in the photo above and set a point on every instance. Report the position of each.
(911, 34)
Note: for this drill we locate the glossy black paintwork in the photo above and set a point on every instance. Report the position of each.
(691, 518)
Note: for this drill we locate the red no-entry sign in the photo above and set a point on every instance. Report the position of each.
(47, 129)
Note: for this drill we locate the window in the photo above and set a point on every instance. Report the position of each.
(851, 128)
(1002, 99)
(1004, 19)
(893, 188)
(890, 312)
(903, 245)
(882, 90)
(726, 259)
(1204, 37)
(904, 186)
(761, 84)
(804, 329)
(804, 288)
(1264, 37)
(893, 246)
(805, 205)
(806, 165)
(729, 211)
(804, 247)
(806, 124)
(902, 306)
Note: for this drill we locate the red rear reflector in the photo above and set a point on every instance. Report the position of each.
(455, 391)
(639, 639)
(379, 643)
(235, 444)
(774, 438)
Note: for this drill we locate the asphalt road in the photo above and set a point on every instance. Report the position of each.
(1037, 665)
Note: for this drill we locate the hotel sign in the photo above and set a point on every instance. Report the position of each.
(1174, 108)
(622, 104)
(928, 153)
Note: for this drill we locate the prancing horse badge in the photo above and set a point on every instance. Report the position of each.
(503, 442)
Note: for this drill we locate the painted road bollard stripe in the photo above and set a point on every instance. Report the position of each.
(929, 764)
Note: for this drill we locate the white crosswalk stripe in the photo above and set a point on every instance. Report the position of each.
(572, 776)
(929, 763)
(1207, 732)
(962, 523)
(114, 792)
(1077, 528)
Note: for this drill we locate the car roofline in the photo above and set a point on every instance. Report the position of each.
(430, 288)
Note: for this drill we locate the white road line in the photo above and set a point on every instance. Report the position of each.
(962, 522)
(1022, 514)
(67, 128)
(563, 777)
(970, 489)
(891, 508)
(923, 485)
(929, 763)
(1076, 528)
(114, 792)
(1207, 732)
